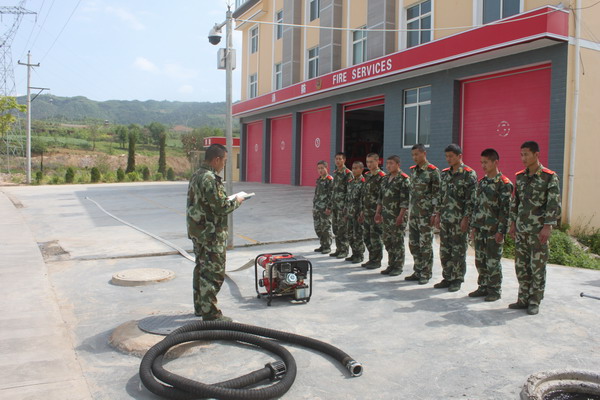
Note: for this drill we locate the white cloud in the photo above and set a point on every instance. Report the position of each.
(144, 64)
(173, 70)
(126, 16)
(186, 89)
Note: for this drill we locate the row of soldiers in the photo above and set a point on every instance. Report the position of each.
(373, 209)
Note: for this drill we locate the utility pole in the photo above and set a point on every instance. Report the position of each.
(28, 147)
(229, 120)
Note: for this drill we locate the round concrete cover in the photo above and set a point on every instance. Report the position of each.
(165, 324)
(142, 276)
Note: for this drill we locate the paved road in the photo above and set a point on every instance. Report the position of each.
(416, 342)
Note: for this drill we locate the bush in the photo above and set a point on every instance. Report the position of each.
(120, 175)
(69, 175)
(109, 177)
(95, 175)
(55, 180)
(39, 176)
(158, 176)
(170, 174)
(146, 173)
(133, 176)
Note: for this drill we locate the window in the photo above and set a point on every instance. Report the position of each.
(494, 10)
(417, 116)
(418, 24)
(313, 62)
(359, 46)
(254, 40)
(278, 77)
(314, 6)
(279, 26)
(253, 86)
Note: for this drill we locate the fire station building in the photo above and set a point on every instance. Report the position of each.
(361, 76)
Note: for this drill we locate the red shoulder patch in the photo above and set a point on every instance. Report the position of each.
(431, 166)
(520, 172)
(404, 175)
(330, 177)
(468, 169)
(350, 180)
(446, 169)
(367, 173)
(480, 179)
(413, 167)
(362, 179)
(505, 179)
(548, 171)
(381, 173)
(348, 171)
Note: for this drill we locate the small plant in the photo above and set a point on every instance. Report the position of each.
(146, 173)
(95, 175)
(133, 176)
(69, 175)
(158, 176)
(120, 175)
(55, 180)
(39, 176)
(170, 174)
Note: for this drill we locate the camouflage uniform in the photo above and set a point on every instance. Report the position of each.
(338, 199)
(321, 220)
(207, 209)
(352, 211)
(490, 216)
(536, 203)
(373, 231)
(425, 186)
(395, 194)
(457, 192)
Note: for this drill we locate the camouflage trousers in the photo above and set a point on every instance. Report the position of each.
(487, 260)
(453, 251)
(372, 237)
(209, 275)
(393, 239)
(340, 230)
(530, 265)
(323, 228)
(356, 236)
(420, 243)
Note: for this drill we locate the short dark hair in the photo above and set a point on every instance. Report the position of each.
(420, 147)
(491, 154)
(213, 151)
(534, 147)
(358, 163)
(394, 158)
(454, 148)
(323, 162)
(341, 153)
(373, 155)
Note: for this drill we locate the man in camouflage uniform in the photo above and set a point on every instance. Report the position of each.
(489, 225)
(352, 212)
(373, 232)
(425, 186)
(341, 177)
(454, 209)
(392, 208)
(322, 199)
(535, 210)
(206, 218)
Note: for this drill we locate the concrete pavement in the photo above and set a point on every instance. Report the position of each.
(415, 342)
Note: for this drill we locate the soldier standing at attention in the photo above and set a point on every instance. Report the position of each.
(322, 198)
(392, 208)
(535, 210)
(341, 177)
(454, 209)
(372, 188)
(490, 225)
(352, 212)
(425, 186)
(206, 218)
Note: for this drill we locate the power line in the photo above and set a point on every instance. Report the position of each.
(62, 29)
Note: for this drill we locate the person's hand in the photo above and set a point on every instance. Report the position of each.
(327, 211)
(400, 219)
(239, 199)
(432, 220)
(438, 221)
(464, 224)
(545, 234)
(472, 235)
(499, 238)
(361, 217)
(513, 230)
(378, 218)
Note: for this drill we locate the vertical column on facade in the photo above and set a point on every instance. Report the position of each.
(337, 130)
(296, 148)
(381, 14)
(292, 49)
(266, 152)
(243, 146)
(330, 41)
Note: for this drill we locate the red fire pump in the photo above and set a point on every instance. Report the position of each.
(283, 274)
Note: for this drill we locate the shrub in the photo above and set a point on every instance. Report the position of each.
(95, 175)
(109, 177)
(69, 175)
(158, 176)
(39, 175)
(146, 173)
(55, 180)
(133, 176)
(120, 175)
(170, 174)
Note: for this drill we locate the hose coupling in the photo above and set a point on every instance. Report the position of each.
(355, 368)
(278, 370)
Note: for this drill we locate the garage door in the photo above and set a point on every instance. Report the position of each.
(254, 143)
(281, 150)
(504, 110)
(316, 139)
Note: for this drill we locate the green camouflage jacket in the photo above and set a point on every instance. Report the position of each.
(492, 204)
(536, 201)
(322, 197)
(207, 207)
(457, 193)
(353, 196)
(395, 194)
(371, 192)
(340, 187)
(425, 188)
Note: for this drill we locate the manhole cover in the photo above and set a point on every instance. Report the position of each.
(142, 276)
(165, 324)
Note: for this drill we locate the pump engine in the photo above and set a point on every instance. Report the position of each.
(283, 274)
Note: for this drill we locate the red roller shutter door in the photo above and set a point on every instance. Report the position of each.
(316, 139)
(254, 140)
(281, 150)
(504, 110)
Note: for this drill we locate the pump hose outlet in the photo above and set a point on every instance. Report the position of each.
(172, 386)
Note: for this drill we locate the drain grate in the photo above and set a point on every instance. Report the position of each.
(165, 324)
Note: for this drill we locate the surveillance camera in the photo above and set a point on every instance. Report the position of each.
(214, 36)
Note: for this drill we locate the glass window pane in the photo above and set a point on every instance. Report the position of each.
(425, 94)
(426, 23)
(425, 36)
(412, 37)
(491, 10)
(410, 126)
(425, 7)
(412, 12)
(510, 7)
(358, 53)
(410, 96)
(424, 123)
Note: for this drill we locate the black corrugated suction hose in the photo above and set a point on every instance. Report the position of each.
(169, 385)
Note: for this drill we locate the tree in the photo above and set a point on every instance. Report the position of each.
(162, 154)
(94, 128)
(7, 119)
(121, 132)
(132, 135)
(194, 141)
(39, 146)
(156, 130)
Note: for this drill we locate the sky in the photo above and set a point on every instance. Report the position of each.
(122, 49)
